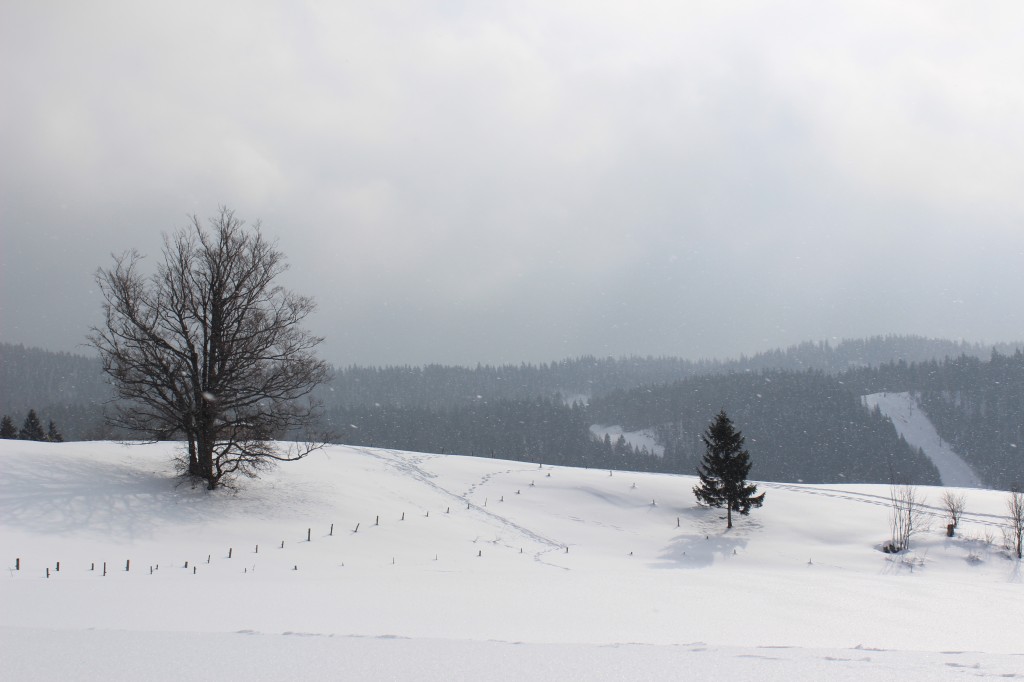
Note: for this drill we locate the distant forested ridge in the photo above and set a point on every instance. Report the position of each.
(535, 430)
(443, 386)
(800, 426)
(68, 389)
(800, 408)
(976, 405)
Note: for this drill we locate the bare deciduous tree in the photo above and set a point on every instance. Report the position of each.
(954, 503)
(1015, 508)
(907, 516)
(210, 348)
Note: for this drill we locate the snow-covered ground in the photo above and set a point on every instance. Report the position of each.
(471, 569)
(638, 439)
(913, 424)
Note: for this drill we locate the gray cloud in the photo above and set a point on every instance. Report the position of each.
(494, 182)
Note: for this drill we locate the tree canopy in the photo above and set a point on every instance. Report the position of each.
(211, 348)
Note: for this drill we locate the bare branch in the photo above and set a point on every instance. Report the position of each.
(208, 348)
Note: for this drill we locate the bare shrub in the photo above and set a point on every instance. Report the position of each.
(1015, 508)
(907, 516)
(954, 503)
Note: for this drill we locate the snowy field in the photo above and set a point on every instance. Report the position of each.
(478, 569)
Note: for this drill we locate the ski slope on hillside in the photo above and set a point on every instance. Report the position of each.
(913, 424)
(358, 563)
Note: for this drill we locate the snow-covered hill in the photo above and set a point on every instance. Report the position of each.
(448, 568)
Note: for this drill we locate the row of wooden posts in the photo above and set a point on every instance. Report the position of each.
(309, 538)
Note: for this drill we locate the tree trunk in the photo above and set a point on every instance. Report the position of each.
(193, 459)
(728, 516)
(204, 459)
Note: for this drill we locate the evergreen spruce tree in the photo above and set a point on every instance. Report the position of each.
(32, 429)
(53, 435)
(7, 428)
(723, 470)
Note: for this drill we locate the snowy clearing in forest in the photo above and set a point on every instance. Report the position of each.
(638, 439)
(913, 424)
(449, 568)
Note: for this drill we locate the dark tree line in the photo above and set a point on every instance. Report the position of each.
(31, 429)
(977, 406)
(442, 386)
(69, 388)
(806, 426)
(72, 388)
(537, 430)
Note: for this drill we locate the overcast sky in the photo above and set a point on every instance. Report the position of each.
(465, 182)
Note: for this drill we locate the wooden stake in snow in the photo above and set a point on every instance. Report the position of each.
(229, 555)
(92, 566)
(17, 564)
(127, 564)
(210, 555)
(677, 522)
(357, 529)
(480, 552)
(377, 522)
(282, 544)
(332, 531)
(58, 567)
(257, 549)
(403, 516)
(47, 571)
(104, 568)
(193, 570)
(186, 564)
(309, 535)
